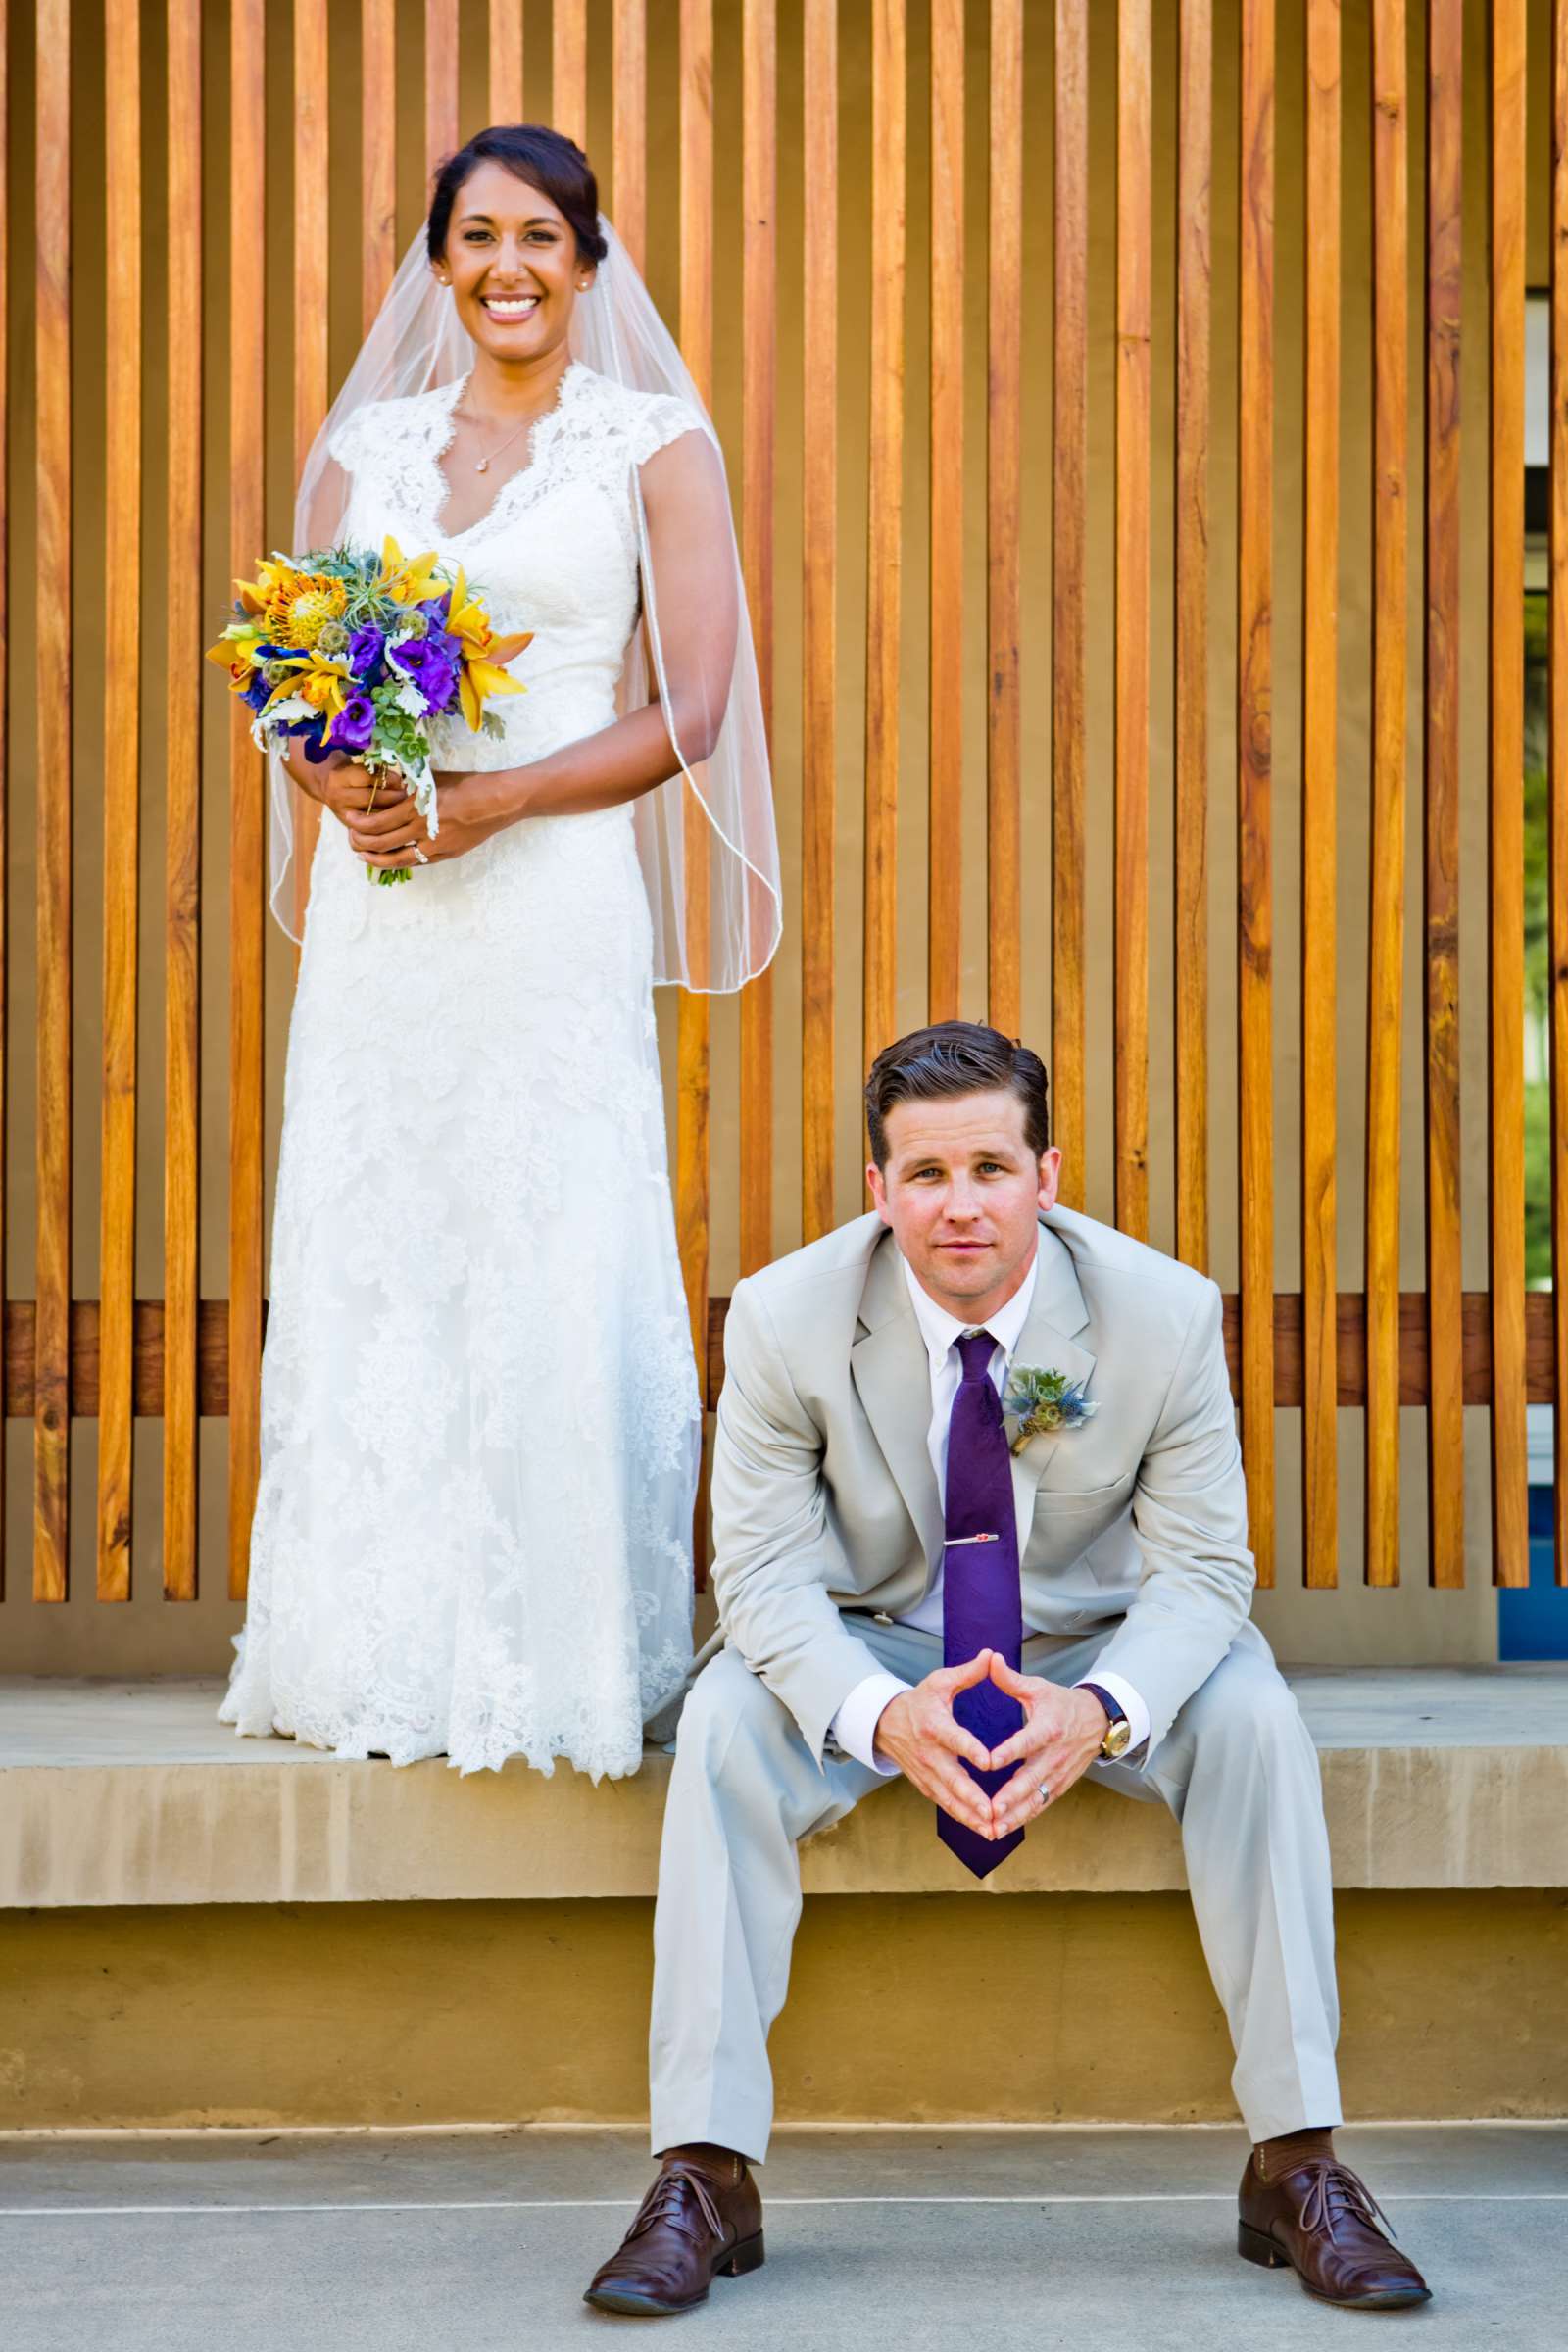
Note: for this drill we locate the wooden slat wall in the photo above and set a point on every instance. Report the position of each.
(697, 343)
(247, 776)
(885, 534)
(1505, 792)
(121, 801)
(182, 822)
(1320, 611)
(52, 1405)
(1069, 421)
(1445, 257)
(1386, 951)
(4, 691)
(1380, 1349)
(1557, 821)
(760, 410)
(1255, 434)
(1003, 520)
(819, 601)
(1193, 249)
(1133, 319)
(945, 833)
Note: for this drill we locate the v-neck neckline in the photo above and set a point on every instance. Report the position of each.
(534, 446)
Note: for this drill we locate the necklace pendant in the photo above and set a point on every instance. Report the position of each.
(482, 466)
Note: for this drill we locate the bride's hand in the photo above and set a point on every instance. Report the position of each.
(387, 837)
(349, 790)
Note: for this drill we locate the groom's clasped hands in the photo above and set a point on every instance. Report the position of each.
(1059, 1739)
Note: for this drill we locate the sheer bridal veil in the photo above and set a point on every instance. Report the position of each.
(705, 839)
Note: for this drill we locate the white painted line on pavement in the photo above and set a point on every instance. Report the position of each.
(1432, 2196)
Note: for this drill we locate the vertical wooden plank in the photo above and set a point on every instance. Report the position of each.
(503, 79)
(1505, 1008)
(1254, 687)
(568, 72)
(696, 346)
(1445, 267)
(1069, 462)
(758, 420)
(885, 531)
(819, 697)
(1194, 279)
(440, 80)
(1557, 789)
(1134, 224)
(629, 127)
(5, 689)
(1320, 545)
(247, 774)
(52, 1385)
(1386, 934)
(122, 363)
(378, 150)
(182, 915)
(311, 249)
(1003, 524)
(945, 666)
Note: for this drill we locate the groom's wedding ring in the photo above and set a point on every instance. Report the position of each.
(1045, 1792)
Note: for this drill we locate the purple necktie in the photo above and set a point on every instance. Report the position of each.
(982, 1607)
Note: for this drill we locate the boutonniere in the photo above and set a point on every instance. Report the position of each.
(1043, 1404)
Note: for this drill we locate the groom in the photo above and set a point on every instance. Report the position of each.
(979, 1519)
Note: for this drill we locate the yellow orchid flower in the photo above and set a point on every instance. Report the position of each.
(478, 680)
(235, 651)
(322, 683)
(406, 579)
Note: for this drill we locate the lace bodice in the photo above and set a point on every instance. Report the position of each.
(555, 553)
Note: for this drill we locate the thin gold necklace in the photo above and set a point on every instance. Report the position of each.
(483, 464)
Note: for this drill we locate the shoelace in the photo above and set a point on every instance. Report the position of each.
(1335, 2189)
(663, 2203)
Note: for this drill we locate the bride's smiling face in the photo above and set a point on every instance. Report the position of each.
(512, 265)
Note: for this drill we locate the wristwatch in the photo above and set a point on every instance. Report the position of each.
(1118, 1730)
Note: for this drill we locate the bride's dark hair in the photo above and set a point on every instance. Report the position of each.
(545, 158)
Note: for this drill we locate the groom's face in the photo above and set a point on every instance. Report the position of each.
(962, 1191)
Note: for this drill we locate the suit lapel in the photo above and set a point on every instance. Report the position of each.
(1046, 1343)
(893, 1380)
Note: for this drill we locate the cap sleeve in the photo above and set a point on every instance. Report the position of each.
(347, 444)
(659, 420)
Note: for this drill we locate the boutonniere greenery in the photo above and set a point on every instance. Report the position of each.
(1043, 1404)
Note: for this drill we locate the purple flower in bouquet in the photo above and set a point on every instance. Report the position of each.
(428, 663)
(354, 724)
(367, 654)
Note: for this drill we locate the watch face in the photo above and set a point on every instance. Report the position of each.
(1118, 1739)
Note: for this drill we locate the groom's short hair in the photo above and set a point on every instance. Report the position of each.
(956, 1058)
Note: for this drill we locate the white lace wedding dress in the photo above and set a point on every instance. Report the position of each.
(479, 1409)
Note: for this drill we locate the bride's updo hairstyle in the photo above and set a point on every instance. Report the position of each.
(547, 160)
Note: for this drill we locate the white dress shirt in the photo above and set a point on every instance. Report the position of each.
(854, 1727)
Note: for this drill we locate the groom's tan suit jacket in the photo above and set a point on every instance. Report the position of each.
(825, 1499)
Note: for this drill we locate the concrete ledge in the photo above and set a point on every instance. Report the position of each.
(133, 1794)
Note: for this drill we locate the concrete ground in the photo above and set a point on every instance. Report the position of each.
(934, 2238)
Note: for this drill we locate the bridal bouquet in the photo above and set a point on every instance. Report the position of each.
(358, 653)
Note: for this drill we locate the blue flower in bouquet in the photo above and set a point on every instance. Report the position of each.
(427, 664)
(354, 724)
(367, 653)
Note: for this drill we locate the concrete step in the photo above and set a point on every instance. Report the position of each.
(127, 1793)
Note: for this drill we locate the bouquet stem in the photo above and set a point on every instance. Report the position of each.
(391, 873)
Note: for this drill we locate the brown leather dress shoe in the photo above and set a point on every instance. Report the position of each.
(697, 2219)
(1319, 2218)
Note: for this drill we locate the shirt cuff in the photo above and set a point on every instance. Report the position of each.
(1126, 1697)
(854, 1727)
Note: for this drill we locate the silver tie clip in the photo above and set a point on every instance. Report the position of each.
(952, 1542)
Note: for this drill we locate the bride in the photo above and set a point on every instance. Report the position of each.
(480, 1419)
